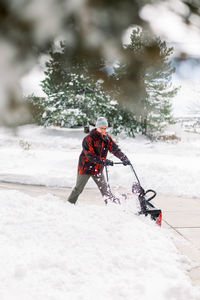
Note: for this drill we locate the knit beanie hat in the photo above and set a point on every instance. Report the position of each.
(101, 121)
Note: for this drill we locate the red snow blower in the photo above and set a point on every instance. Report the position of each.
(147, 208)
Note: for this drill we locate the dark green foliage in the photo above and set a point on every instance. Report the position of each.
(153, 105)
(75, 98)
(36, 107)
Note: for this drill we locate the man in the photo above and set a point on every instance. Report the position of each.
(93, 159)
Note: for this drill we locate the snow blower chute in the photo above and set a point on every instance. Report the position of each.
(147, 208)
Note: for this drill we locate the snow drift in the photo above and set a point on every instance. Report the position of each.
(53, 250)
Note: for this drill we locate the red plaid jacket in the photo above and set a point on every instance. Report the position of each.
(95, 149)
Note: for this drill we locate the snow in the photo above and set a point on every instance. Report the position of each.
(169, 168)
(53, 250)
(163, 17)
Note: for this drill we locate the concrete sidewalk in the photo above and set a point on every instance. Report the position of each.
(180, 214)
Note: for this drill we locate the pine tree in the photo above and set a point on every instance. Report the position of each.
(154, 103)
(76, 99)
(73, 98)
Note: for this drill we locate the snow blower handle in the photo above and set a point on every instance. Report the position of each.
(121, 163)
(152, 196)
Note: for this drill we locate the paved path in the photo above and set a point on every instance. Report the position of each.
(180, 214)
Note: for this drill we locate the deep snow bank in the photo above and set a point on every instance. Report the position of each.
(52, 250)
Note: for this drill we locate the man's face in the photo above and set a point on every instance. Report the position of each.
(102, 130)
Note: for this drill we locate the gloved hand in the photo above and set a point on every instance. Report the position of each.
(108, 162)
(126, 162)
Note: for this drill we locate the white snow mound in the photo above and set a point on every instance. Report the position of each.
(53, 250)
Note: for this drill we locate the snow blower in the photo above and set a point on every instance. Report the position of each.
(144, 197)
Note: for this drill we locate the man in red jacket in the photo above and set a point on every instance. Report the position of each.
(93, 159)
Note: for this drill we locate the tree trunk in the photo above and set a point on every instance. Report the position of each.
(86, 128)
(144, 127)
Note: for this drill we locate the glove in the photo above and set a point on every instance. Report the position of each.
(126, 162)
(108, 162)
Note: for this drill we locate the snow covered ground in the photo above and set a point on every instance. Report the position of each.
(53, 250)
(169, 168)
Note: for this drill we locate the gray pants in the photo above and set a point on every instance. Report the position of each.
(81, 182)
